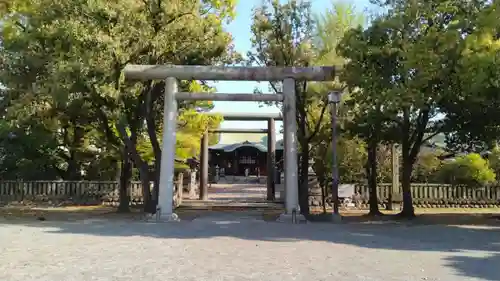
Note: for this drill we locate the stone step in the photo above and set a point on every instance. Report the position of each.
(225, 205)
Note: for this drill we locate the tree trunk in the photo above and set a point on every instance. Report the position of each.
(408, 210)
(144, 173)
(149, 203)
(408, 160)
(150, 116)
(155, 144)
(303, 149)
(303, 179)
(324, 193)
(74, 166)
(124, 182)
(320, 172)
(72, 172)
(371, 173)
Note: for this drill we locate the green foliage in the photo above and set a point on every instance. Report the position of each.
(494, 161)
(69, 82)
(289, 34)
(427, 168)
(402, 72)
(476, 116)
(471, 170)
(281, 36)
(351, 158)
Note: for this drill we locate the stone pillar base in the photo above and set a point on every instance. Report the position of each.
(336, 218)
(393, 207)
(158, 217)
(193, 192)
(290, 218)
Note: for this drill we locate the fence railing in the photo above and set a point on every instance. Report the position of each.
(438, 192)
(423, 194)
(76, 192)
(96, 192)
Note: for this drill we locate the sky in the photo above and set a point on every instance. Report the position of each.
(240, 29)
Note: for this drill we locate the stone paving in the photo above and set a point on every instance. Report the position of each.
(235, 194)
(241, 246)
(235, 247)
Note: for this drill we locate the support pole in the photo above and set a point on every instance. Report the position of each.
(204, 167)
(291, 181)
(271, 159)
(335, 168)
(283, 161)
(166, 194)
(334, 100)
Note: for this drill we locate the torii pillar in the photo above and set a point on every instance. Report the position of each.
(271, 160)
(204, 167)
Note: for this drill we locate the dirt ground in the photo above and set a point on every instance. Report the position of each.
(246, 198)
(426, 216)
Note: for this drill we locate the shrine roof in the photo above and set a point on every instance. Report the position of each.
(232, 147)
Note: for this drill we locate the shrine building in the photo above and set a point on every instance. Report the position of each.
(238, 153)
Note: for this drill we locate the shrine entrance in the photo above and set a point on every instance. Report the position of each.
(171, 74)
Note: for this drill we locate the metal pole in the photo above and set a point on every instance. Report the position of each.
(292, 191)
(335, 168)
(204, 167)
(166, 194)
(334, 99)
(271, 159)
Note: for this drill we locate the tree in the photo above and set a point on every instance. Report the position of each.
(413, 77)
(281, 36)
(494, 161)
(475, 118)
(77, 52)
(471, 170)
(288, 35)
(351, 160)
(367, 77)
(427, 167)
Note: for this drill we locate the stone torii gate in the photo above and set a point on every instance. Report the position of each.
(271, 145)
(171, 73)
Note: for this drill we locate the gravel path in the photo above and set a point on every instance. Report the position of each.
(226, 247)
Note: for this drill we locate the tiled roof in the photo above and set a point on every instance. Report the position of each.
(232, 147)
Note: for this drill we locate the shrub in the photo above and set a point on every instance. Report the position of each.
(470, 170)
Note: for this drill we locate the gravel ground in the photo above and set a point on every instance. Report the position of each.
(227, 247)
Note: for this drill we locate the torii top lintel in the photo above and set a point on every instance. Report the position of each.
(234, 73)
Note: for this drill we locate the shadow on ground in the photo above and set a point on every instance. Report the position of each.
(472, 250)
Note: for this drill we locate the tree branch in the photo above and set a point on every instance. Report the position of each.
(318, 124)
(419, 133)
